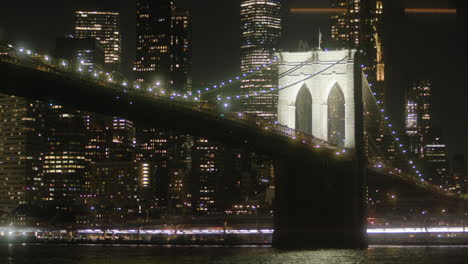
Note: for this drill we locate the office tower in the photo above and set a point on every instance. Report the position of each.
(21, 145)
(104, 27)
(163, 58)
(261, 24)
(153, 147)
(181, 50)
(87, 53)
(360, 26)
(418, 115)
(114, 192)
(64, 158)
(207, 173)
(436, 162)
(346, 25)
(180, 168)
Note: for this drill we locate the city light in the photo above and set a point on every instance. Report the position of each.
(430, 11)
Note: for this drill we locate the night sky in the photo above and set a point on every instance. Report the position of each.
(417, 46)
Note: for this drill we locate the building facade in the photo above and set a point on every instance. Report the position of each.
(104, 27)
(163, 56)
(359, 25)
(418, 115)
(64, 160)
(21, 146)
(261, 27)
(436, 163)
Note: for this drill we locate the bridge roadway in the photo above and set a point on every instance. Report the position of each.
(411, 198)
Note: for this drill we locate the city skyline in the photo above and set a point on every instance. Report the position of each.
(425, 34)
(353, 125)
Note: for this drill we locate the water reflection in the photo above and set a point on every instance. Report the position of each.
(125, 254)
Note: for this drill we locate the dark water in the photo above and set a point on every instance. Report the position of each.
(120, 254)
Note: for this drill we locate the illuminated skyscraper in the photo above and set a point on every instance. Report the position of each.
(418, 115)
(21, 145)
(181, 50)
(163, 56)
(360, 27)
(346, 26)
(103, 26)
(436, 162)
(260, 32)
(64, 158)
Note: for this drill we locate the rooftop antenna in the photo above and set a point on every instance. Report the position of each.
(320, 40)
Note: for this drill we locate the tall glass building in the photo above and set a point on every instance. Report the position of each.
(359, 26)
(418, 115)
(21, 146)
(103, 26)
(260, 32)
(163, 56)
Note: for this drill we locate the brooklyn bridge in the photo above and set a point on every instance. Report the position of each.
(324, 144)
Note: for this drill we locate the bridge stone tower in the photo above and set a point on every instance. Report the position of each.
(320, 195)
(319, 96)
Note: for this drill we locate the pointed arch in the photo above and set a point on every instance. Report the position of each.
(336, 116)
(304, 110)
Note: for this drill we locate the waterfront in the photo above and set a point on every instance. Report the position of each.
(128, 254)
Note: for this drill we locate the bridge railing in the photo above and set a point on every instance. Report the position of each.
(402, 173)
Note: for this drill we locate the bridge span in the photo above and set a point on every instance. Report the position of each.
(320, 187)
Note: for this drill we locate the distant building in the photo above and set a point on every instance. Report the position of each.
(346, 26)
(436, 163)
(261, 29)
(114, 194)
(207, 176)
(181, 50)
(21, 146)
(154, 148)
(87, 53)
(104, 27)
(64, 158)
(418, 115)
(163, 56)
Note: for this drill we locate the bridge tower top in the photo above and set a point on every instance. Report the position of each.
(317, 94)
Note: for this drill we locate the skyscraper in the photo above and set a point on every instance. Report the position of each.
(64, 157)
(104, 27)
(261, 25)
(346, 26)
(181, 50)
(360, 26)
(21, 146)
(418, 115)
(163, 57)
(436, 162)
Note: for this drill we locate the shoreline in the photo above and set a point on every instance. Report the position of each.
(204, 243)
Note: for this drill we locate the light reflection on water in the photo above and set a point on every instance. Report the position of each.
(137, 254)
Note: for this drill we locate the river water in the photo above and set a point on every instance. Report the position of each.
(125, 254)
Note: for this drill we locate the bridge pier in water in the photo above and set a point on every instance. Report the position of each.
(320, 195)
(319, 203)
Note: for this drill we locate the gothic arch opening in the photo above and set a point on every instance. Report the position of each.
(336, 116)
(304, 110)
